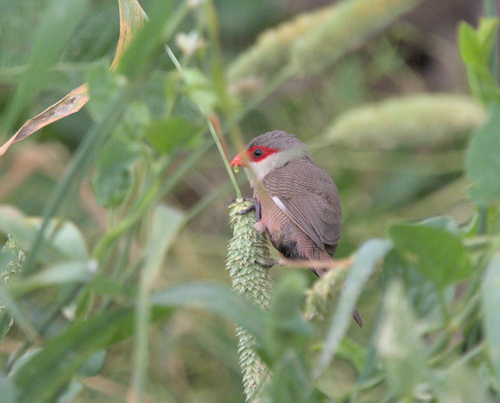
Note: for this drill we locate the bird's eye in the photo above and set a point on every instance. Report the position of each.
(257, 153)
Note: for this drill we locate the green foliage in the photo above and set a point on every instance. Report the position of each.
(113, 179)
(476, 50)
(483, 167)
(439, 255)
(125, 282)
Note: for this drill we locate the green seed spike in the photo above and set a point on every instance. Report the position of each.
(254, 282)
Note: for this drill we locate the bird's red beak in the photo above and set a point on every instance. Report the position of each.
(238, 161)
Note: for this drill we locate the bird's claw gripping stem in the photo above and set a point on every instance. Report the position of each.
(254, 206)
(266, 262)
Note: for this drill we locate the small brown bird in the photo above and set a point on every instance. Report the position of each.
(297, 203)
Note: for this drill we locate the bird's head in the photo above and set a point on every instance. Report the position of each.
(268, 152)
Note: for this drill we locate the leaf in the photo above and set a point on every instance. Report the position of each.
(469, 45)
(64, 241)
(102, 86)
(367, 259)
(113, 179)
(62, 273)
(447, 223)
(476, 50)
(217, 299)
(8, 390)
(490, 296)
(461, 382)
(167, 135)
(20, 316)
(438, 254)
(486, 35)
(69, 393)
(400, 344)
(71, 103)
(483, 163)
(41, 377)
(93, 365)
(199, 90)
(131, 19)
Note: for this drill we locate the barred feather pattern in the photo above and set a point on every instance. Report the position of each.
(254, 282)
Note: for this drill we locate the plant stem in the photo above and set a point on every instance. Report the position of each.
(444, 307)
(211, 128)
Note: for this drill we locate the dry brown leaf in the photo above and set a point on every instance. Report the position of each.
(132, 17)
(71, 103)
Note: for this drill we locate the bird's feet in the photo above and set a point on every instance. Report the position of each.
(266, 262)
(270, 262)
(254, 206)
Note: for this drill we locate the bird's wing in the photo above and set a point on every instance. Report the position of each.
(309, 198)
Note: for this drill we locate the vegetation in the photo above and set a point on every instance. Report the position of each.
(115, 231)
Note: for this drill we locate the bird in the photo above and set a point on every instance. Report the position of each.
(297, 203)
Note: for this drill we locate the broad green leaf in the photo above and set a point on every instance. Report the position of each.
(64, 242)
(8, 390)
(483, 162)
(400, 344)
(62, 273)
(476, 50)
(486, 35)
(490, 295)
(217, 299)
(66, 238)
(93, 365)
(447, 223)
(113, 179)
(103, 86)
(483, 85)
(461, 382)
(438, 254)
(71, 391)
(367, 259)
(199, 90)
(46, 372)
(349, 350)
(135, 120)
(15, 310)
(469, 45)
(167, 135)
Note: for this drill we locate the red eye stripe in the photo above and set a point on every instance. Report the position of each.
(258, 153)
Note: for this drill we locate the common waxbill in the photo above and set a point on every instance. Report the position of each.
(297, 202)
